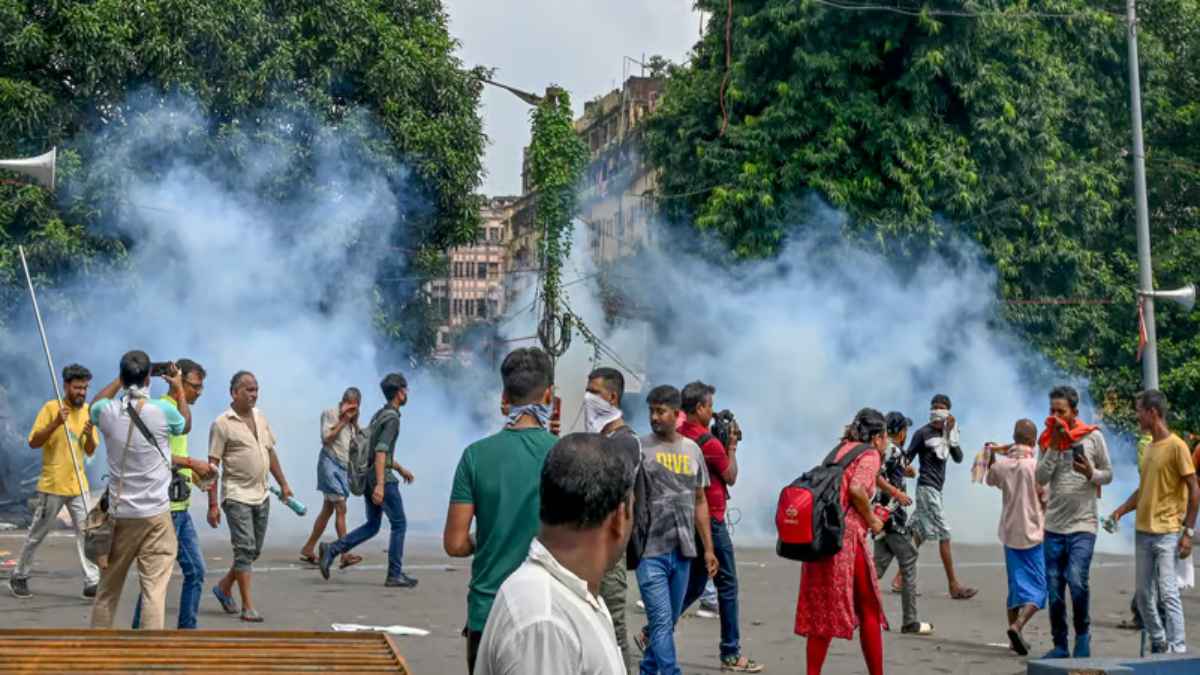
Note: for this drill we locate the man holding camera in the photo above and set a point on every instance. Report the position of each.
(242, 441)
(721, 460)
(59, 485)
(135, 430)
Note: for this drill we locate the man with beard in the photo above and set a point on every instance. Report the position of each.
(1073, 466)
(384, 489)
(58, 485)
(546, 617)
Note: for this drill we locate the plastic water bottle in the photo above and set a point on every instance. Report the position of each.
(292, 503)
(1110, 525)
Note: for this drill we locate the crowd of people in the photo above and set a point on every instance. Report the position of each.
(555, 526)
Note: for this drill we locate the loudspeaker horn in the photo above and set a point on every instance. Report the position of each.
(1185, 297)
(40, 168)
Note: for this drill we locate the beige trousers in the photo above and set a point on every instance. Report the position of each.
(151, 543)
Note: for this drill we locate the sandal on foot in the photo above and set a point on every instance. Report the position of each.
(251, 616)
(740, 664)
(1018, 643)
(309, 558)
(964, 594)
(227, 602)
(349, 560)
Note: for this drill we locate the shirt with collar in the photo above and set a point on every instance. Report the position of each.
(245, 457)
(545, 620)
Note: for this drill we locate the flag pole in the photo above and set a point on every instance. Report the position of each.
(54, 379)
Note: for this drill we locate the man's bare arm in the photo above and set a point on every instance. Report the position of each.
(456, 538)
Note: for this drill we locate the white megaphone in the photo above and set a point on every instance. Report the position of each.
(1185, 297)
(40, 168)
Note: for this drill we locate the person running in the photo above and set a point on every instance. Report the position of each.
(1073, 466)
(1013, 469)
(547, 616)
(339, 427)
(497, 485)
(59, 485)
(934, 443)
(1166, 502)
(841, 592)
(896, 540)
(383, 489)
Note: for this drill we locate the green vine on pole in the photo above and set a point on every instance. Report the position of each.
(557, 157)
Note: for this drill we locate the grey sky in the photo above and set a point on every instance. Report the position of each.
(577, 44)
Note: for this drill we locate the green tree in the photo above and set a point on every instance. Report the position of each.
(70, 70)
(1007, 128)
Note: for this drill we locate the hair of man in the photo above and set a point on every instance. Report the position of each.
(867, 424)
(527, 374)
(694, 395)
(896, 422)
(75, 372)
(188, 366)
(135, 368)
(1153, 399)
(1066, 393)
(613, 380)
(391, 385)
(236, 380)
(1025, 432)
(940, 400)
(583, 481)
(664, 394)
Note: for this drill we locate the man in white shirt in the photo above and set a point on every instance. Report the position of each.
(548, 616)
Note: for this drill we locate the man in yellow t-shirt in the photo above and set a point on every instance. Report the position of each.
(1166, 502)
(59, 484)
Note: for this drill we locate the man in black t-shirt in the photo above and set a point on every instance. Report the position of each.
(895, 541)
(934, 443)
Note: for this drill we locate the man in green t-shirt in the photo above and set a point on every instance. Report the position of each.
(190, 557)
(496, 484)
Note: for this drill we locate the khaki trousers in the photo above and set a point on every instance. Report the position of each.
(151, 543)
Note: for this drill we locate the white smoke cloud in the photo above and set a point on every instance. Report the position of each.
(798, 344)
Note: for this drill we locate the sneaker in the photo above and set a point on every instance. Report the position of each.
(324, 559)
(89, 591)
(402, 581)
(1083, 647)
(19, 588)
(709, 606)
(707, 614)
(1059, 652)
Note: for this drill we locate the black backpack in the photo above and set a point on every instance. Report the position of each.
(810, 517)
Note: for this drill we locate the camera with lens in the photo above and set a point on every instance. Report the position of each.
(725, 428)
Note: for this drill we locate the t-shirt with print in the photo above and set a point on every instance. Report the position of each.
(674, 472)
(245, 456)
(1162, 496)
(58, 469)
(501, 476)
(138, 475)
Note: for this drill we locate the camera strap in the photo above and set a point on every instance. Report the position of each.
(137, 419)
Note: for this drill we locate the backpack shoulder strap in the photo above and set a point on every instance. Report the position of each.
(852, 455)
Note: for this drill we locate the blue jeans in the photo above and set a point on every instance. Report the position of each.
(1157, 584)
(727, 588)
(191, 562)
(1068, 564)
(662, 581)
(393, 506)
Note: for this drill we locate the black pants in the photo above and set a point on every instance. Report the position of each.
(474, 637)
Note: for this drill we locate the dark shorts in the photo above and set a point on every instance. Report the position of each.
(247, 531)
(332, 480)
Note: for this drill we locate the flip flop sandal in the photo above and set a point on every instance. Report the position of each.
(310, 559)
(252, 616)
(227, 602)
(1018, 643)
(964, 594)
(349, 561)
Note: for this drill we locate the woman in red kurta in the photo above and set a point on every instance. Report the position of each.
(841, 593)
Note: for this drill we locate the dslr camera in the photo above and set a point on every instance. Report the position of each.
(725, 428)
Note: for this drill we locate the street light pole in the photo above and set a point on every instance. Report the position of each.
(1145, 272)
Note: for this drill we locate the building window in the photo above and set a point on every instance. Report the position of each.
(481, 305)
(470, 307)
(481, 271)
(494, 270)
(457, 307)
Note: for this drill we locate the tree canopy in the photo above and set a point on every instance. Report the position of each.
(1004, 123)
(384, 73)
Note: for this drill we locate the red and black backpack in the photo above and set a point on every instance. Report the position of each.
(810, 517)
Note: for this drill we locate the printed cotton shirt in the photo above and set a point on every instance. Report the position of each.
(674, 472)
(245, 457)
(545, 620)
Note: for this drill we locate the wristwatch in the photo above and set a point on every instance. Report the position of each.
(1189, 532)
